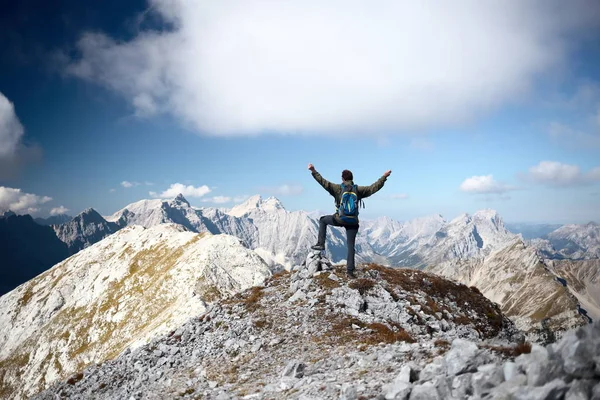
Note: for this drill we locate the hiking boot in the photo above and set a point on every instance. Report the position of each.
(350, 274)
(319, 247)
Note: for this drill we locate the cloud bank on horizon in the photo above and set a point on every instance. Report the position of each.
(19, 202)
(254, 67)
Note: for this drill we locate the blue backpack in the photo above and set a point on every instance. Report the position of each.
(348, 209)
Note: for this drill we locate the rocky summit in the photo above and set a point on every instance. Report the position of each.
(314, 334)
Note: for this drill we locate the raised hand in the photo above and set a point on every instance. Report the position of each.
(387, 173)
(311, 167)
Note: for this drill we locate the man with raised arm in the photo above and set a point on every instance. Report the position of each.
(347, 197)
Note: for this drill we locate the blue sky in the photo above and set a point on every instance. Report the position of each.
(493, 105)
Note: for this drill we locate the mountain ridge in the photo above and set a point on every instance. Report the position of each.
(116, 294)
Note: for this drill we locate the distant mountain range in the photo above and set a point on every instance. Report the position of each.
(147, 268)
(470, 248)
(576, 242)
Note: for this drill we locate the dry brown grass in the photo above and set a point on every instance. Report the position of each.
(75, 378)
(442, 343)
(363, 285)
(342, 332)
(462, 320)
(210, 293)
(278, 277)
(431, 307)
(487, 317)
(326, 283)
(511, 352)
(253, 299)
(384, 334)
(27, 295)
(262, 323)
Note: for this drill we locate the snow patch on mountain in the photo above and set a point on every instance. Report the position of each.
(256, 203)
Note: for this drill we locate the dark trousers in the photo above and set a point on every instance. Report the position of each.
(351, 231)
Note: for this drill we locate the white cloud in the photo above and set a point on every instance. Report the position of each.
(11, 130)
(186, 191)
(484, 184)
(148, 183)
(283, 190)
(218, 199)
(127, 184)
(554, 173)
(20, 202)
(112, 190)
(59, 210)
(13, 152)
(249, 67)
(399, 196)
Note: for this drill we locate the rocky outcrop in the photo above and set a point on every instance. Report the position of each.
(315, 334)
(84, 230)
(518, 280)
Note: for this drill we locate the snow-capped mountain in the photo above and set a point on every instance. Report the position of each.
(156, 271)
(459, 249)
(516, 278)
(475, 249)
(279, 236)
(54, 220)
(400, 241)
(116, 294)
(576, 241)
(431, 240)
(467, 237)
(256, 203)
(479, 251)
(148, 213)
(27, 249)
(85, 229)
(284, 237)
